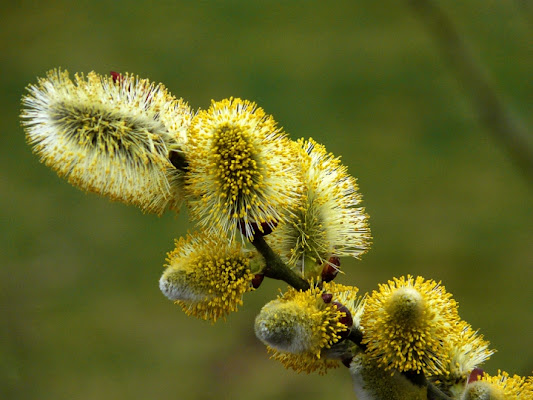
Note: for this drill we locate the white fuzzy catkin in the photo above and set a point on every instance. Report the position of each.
(108, 135)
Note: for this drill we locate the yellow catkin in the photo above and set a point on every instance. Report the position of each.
(503, 386)
(372, 382)
(110, 137)
(207, 278)
(328, 220)
(299, 327)
(409, 324)
(468, 351)
(242, 170)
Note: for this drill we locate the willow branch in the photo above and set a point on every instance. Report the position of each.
(275, 268)
(506, 128)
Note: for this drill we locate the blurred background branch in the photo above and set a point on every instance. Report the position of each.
(526, 7)
(490, 106)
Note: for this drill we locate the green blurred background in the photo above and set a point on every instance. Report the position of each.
(81, 313)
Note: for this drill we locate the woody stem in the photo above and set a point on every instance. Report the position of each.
(275, 267)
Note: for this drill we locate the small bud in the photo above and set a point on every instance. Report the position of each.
(257, 280)
(327, 297)
(330, 269)
(116, 76)
(475, 375)
(347, 320)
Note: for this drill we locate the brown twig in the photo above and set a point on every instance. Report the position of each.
(275, 268)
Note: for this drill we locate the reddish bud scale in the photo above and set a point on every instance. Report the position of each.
(327, 297)
(347, 320)
(116, 76)
(476, 374)
(335, 261)
(329, 272)
(257, 279)
(119, 78)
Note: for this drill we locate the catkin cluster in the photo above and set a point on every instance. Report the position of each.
(264, 206)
